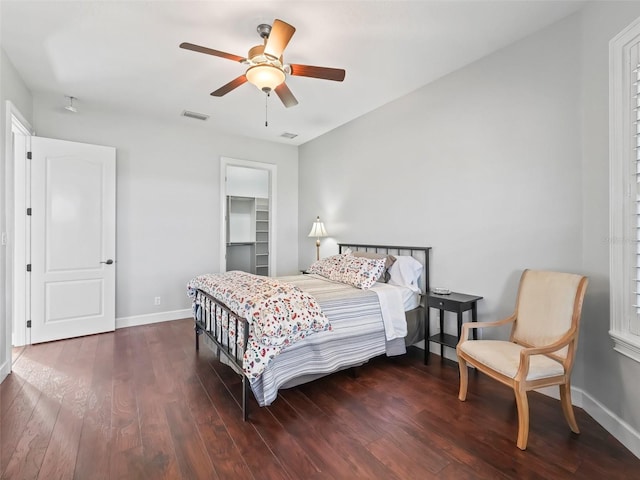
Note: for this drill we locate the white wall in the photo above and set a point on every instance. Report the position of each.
(482, 165)
(508, 169)
(247, 182)
(168, 198)
(12, 88)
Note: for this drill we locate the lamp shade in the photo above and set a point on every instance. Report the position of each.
(318, 230)
(265, 77)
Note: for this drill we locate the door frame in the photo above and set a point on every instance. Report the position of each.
(272, 169)
(20, 235)
(16, 169)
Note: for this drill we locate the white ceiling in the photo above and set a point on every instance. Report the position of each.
(124, 55)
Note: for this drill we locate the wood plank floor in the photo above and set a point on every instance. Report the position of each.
(140, 403)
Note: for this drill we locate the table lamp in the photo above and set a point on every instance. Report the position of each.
(318, 231)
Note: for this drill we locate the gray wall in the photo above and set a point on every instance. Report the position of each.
(482, 165)
(609, 377)
(12, 88)
(500, 166)
(168, 197)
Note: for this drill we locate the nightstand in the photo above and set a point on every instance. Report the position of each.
(454, 302)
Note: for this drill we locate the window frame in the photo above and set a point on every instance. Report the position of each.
(623, 240)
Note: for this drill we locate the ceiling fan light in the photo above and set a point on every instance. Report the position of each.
(265, 77)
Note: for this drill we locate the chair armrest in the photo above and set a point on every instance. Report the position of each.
(527, 352)
(553, 347)
(464, 333)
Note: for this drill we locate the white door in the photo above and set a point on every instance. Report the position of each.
(72, 239)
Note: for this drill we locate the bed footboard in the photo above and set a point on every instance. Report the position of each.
(222, 327)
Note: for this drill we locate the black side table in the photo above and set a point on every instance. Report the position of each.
(453, 302)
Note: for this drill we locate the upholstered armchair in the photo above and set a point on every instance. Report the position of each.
(542, 346)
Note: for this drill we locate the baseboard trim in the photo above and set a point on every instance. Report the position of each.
(613, 424)
(616, 426)
(5, 369)
(148, 318)
(554, 392)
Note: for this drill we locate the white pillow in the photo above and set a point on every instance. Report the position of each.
(405, 272)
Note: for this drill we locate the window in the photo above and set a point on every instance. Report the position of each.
(624, 175)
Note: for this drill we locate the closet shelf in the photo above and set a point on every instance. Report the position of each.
(248, 230)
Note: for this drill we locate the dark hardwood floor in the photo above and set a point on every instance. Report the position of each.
(140, 403)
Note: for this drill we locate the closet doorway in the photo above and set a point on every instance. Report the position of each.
(248, 233)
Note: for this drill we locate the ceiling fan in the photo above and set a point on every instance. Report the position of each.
(267, 70)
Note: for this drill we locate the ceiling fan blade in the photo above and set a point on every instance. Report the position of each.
(325, 73)
(286, 96)
(281, 33)
(233, 84)
(211, 51)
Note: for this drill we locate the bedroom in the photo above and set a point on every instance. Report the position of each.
(509, 169)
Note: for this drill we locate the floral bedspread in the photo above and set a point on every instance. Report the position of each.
(278, 313)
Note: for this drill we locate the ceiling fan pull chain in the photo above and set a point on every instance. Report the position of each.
(266, 110)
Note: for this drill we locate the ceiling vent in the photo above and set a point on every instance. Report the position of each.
(289, 135)
(196, 115)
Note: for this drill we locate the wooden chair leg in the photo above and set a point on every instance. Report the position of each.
(523, 418)
(464, 379)
(567, 407)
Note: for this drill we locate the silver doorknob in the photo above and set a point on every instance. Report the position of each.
(108, 262)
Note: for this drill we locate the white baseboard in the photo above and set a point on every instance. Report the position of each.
(554, 392)
(617, 427)
(148, 318)
(5, 369)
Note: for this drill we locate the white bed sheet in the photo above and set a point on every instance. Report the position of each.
(410, 298)
(392, 310)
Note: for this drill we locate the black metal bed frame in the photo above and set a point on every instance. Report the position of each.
(209, 317)
(420, 253)
(209, 314)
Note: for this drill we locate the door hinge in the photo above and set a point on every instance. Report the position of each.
(28, 323)
(28, 155)
(28, 267)
(29, 211)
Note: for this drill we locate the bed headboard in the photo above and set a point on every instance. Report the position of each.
(419, 253)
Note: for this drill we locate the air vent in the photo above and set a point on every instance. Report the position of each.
(289, 135)
(196, 115)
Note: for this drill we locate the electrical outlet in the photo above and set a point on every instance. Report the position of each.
(156, 301)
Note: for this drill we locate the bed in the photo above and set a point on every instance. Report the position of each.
(362, 323)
